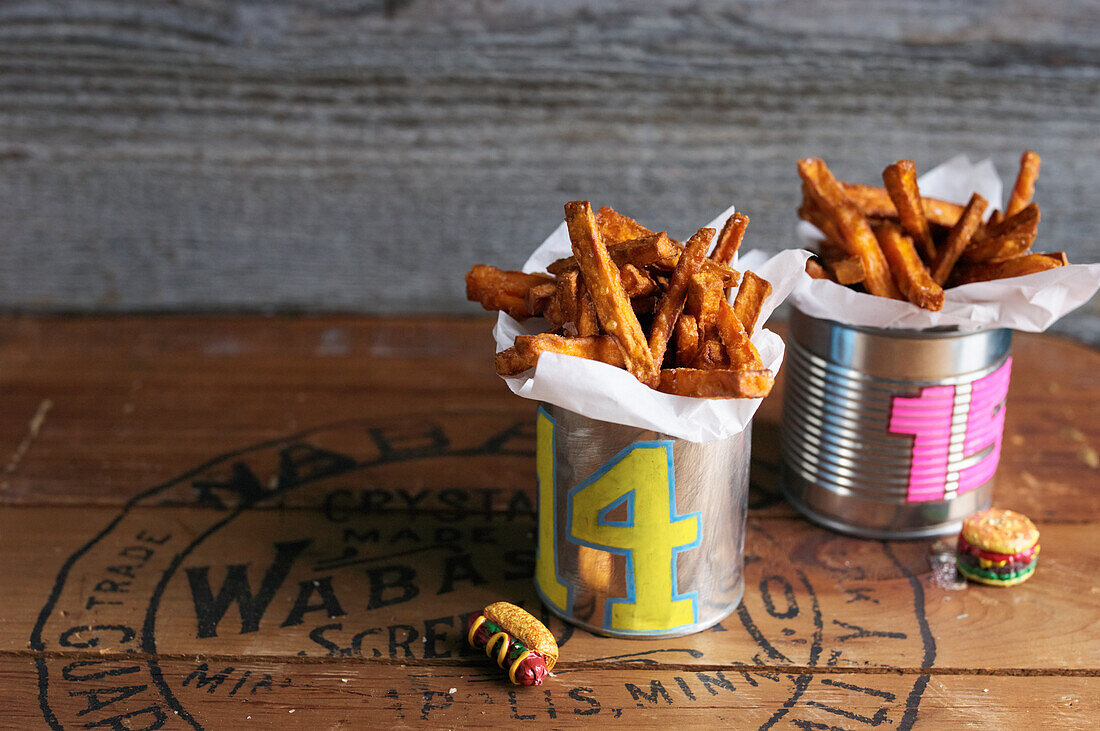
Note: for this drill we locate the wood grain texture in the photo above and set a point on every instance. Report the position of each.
(131, 402)
(218, 521)
(818, 598)
(324, 695)
(361, 157)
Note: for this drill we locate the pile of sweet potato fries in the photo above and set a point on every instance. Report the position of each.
(895, 243)
(626, 293)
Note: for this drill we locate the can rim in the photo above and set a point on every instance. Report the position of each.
(942, 332)
(833, 371)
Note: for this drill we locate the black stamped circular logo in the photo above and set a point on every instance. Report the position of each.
(290, 548)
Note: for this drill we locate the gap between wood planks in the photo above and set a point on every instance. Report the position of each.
(561, 668)
(429, 512)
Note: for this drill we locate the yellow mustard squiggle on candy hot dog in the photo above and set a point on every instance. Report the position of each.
(473, 629)
(503, 652)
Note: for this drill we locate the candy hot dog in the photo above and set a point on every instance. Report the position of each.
(516, 640)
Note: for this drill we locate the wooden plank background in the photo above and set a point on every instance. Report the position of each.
(360, 156)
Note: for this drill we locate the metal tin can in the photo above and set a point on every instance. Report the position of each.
(641, 534)
(892, 433)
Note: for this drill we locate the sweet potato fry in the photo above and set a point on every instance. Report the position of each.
(511, 363)
(1018, 267)
(848, 270)
(994, 218)
(601, 277)
(958, 238)
(712, 354)
(672, 303)
(497, 289)
(641, 252)
(578, 313)
(909, 271)
(704, 293)
(855, 232)
(538, 298)
(615, 227)
(649, 249)
(553, 314)
(1010, 238)
(728, 277)
(566, 296)
(525, 353)
(999, 248)
(1024, 189)
(730, 239)
(588, 321)
(816, 271)
(636, 282)
(875, 202)
(811, 212)
(595, 347)
(687, 340)
(716, 384)
(482, 277)
(750, 299)
(594, 301)
(742, 353)
(901, 185)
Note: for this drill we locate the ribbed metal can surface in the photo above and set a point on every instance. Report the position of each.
(892, 433)
(641, 535)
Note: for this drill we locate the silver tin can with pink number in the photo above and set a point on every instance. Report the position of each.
(892, 433)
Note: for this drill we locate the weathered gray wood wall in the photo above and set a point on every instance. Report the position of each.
(362, 155)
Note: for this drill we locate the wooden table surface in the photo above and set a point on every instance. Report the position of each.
(220, 521)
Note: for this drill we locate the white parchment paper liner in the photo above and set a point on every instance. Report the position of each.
(1031, 303)
(601, 391)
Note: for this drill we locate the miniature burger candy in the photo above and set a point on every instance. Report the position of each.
(998, 547)
(519, 642)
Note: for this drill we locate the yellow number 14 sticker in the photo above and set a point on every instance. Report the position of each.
(640, 483)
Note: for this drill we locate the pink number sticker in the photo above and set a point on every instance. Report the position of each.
(956, 432)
